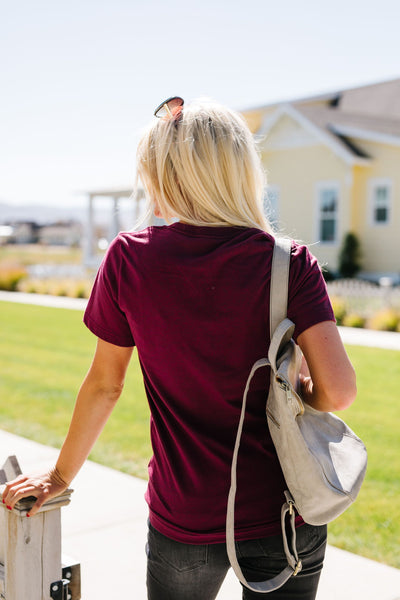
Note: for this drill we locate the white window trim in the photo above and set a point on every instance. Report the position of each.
(374, 183)
(275, 189)
(319, 187)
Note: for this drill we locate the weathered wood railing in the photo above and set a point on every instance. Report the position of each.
(30, 549)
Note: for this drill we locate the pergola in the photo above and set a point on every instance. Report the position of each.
(91, 258)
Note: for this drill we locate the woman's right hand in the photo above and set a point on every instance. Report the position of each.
(43, 487)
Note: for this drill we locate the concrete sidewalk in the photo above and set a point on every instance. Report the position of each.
(104, 528)
(389, 340)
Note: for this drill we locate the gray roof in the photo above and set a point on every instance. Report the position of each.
(356, 114)
(378, 99)
(351, 128)
(330, 117)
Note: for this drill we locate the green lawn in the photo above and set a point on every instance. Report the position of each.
(44, 355)
(371, 527)
(45, 352)
(32, 254)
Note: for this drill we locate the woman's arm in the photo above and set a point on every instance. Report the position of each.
(96, 399)
(329, 384)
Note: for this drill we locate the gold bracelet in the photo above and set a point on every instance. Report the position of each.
(56, 476)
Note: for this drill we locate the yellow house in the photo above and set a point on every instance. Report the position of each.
(333, 167)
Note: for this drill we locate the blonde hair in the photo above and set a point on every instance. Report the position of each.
(203, 168)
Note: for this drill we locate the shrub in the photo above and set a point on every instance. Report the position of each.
(327, 274)
(386, 320)
(340, 309)
(31, 286)
(31, 289)
(354, 320)
(349, 256)
(57, 287)
(10, 276)
(82, 290)
(61, 291)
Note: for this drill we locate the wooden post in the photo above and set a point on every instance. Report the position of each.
(30, 547)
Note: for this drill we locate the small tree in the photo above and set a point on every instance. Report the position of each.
(349, 256)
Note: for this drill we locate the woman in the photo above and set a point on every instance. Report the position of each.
(193, 298)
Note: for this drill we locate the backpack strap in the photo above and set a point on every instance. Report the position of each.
(278, 309)
(279, 283)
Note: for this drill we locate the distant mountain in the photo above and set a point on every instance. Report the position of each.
(43, 214)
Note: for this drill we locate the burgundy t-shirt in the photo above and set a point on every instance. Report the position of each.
(194, 300)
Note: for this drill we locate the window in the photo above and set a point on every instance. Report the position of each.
(328, 203)
(271, 204)
(380, 201)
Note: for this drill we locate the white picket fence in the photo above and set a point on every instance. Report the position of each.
(354, 290)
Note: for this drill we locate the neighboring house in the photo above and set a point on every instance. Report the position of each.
(6, 233)
(333, 166)
(62, 233)
(21, 232)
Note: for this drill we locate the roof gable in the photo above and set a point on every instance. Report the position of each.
(284, 130)
(288, 127)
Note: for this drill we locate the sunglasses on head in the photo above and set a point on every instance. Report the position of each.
(170, 108)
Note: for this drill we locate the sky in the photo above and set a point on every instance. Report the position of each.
(80, 79)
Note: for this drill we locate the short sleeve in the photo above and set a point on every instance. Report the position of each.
(308, 302)
(103, 315)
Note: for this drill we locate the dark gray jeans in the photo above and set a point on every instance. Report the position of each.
(177, 571)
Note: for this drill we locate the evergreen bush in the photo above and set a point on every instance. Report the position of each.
(349, 256)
